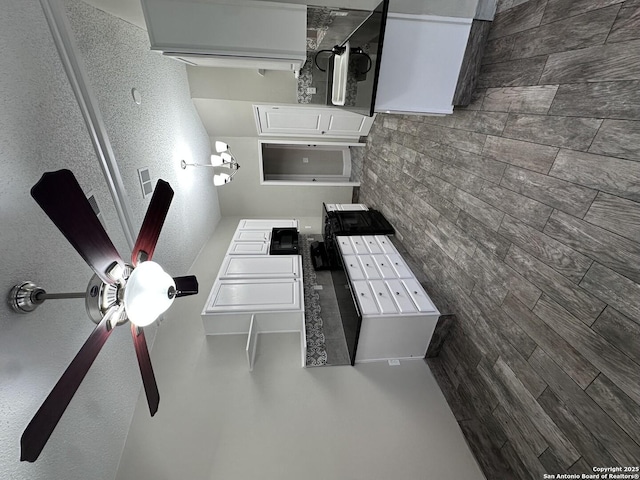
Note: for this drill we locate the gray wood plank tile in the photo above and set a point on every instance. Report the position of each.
(619, 331)
(461, 238)
(559, 9)
(530, 211)
(504, 325)
(572, 362)
(593, 452)
(525, 291)
(514, 73)
(460, 178)
(565, 196)
(478, 209)
(486, 237)
(616, 214)
(470, 68)
(578, 301)
(522, 154)
(460, 139)
(604, 356)
(530, 468)
(489, 457)
(627, 25)
(609, 249)
(550, 462)
(498, 50)
(533, 99)
(558, 256)
(492, 287)
(618, 291)
(556, 440)
(446, 244)
(611, 61)
(502, 5)
(512, 457)
(612, 175)
(581, 31)
(599, 99)
(517, 19)
(485, 168)
(515, 420)
(447, 387)
(618, 138)
(446, 263)
(602, 427)
(491, 123)
(477, 391)
(582, 466)
(618, 405)
(568, 132)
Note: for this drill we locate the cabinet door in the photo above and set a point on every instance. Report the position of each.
(385, 244)
(385, 302)
(353, 268)
(369, 267)
(372, 244)
(255, 295)
(365, 298)
(359, 245)
(385, 266)
(345, 245)
(260, 266)
(401, 268)
(401, 297)
(252, 236)
(248, 248)
(309, 121)
(266, 224)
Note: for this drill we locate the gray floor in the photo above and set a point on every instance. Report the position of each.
(522, 212)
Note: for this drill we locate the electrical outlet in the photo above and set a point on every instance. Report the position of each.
(394, 362)
(318, 287)
(305, 160)
(311, 90)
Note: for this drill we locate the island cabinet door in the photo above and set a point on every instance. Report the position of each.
(260, 266)
(251, 295)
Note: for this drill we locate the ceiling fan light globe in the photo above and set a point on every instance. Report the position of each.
(221, 146)
(146, 294)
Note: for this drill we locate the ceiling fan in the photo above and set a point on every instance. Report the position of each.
(118, 292)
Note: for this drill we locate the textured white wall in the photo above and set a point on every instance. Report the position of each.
(41, 129)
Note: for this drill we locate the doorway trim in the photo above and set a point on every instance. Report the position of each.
(309, 142)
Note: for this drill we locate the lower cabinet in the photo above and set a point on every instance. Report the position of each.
(255, 292)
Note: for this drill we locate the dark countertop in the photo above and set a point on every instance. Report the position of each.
(363, 30)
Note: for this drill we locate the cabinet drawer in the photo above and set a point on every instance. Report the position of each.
(385, 266)
(248, 248)
(359, 245)
(369, 267)
(385, 244)
(401, 268)
(401, 296)
(418, 295)
(353, 268)
(365, 298)
(345, 245)
(385, 303)
(372, 244)
(252, 236)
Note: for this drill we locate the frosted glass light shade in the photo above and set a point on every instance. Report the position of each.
(221, 146)
(216, 160)
(221, 179)
(146, 294)
(226, 157)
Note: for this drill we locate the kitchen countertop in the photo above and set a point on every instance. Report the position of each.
(362, 78)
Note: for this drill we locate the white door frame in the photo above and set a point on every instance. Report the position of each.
(287, 141)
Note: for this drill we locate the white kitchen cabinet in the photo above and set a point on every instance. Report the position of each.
(238, 33)
(420, 64)
(261, 266)
(304, 121)
(248, 248)
(256, 293)
(345, 207)
(266, 224)
(397, 316)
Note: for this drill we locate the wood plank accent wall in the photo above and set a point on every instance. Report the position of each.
(521, 213)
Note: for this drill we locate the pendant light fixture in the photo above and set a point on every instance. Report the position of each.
(224, 164)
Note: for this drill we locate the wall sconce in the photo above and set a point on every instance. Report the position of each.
(225, 160)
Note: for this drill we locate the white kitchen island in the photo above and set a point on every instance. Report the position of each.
(254, 292)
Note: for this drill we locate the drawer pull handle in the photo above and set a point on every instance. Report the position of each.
(351, 264)
(367, 264)
(382, 264)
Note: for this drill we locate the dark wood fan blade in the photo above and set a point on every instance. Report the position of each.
(152, 223)
(144, 362)
(62, 199)
(46, 418)
(186, 285)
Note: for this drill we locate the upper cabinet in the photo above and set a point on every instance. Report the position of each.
(238, 33)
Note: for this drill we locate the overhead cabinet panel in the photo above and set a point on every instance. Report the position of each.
(266, 224)
(261, 266)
